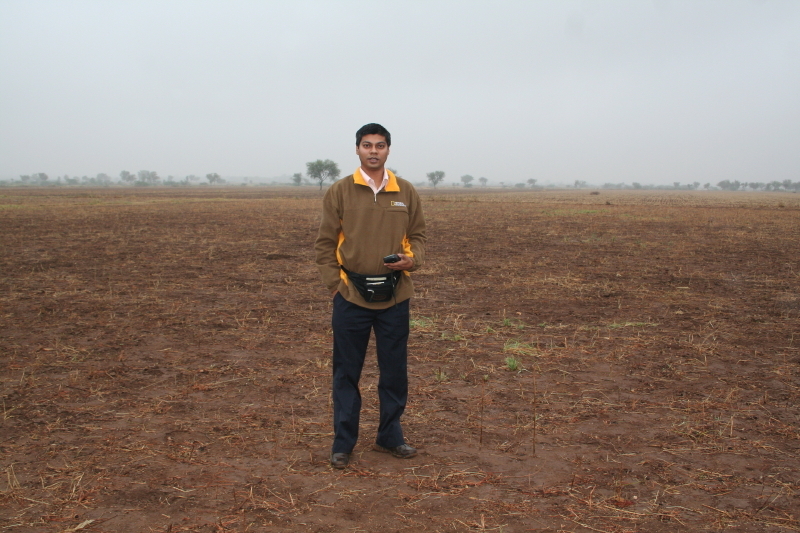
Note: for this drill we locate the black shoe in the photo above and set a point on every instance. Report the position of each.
(340, 460)
(404, 451)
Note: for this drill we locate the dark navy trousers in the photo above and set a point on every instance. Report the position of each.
(352, 325)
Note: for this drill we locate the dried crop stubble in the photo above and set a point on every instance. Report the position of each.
(166, 365)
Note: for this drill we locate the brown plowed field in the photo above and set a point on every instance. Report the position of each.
(613, 362)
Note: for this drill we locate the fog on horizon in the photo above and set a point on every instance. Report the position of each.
(604, 92)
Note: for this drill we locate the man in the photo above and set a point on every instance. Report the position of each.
(367, 216)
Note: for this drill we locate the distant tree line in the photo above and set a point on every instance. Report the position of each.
(317, 172)
(143, 178)
(726, 185)
(785, 185)
(322, 171)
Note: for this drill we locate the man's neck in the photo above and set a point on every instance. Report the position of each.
(376, 175)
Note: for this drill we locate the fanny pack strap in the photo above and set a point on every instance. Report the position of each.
(393, 274)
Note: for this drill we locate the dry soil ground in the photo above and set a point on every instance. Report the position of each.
(611, 362)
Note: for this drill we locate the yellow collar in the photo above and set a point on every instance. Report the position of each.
(391, 186)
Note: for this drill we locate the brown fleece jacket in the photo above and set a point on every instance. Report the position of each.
(359, 228)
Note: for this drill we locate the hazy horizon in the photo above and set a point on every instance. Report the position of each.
(614, 92)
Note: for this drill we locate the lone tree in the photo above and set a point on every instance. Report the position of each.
(483, 181)
(467, 180)
(322, 170)
(213, 178)
(435, 177)
(147, 177)
(727, 185)
(532, 182)
(297, 178)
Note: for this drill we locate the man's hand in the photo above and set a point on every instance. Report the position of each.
(404, 264)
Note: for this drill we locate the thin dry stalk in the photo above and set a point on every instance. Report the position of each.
(294, 429)
(533, 373)
(480, 417)
(13, 482)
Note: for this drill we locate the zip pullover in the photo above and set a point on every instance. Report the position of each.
(359, 228)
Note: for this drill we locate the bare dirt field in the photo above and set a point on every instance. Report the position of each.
(613, 362)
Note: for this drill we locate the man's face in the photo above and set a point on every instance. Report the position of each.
(373, 151)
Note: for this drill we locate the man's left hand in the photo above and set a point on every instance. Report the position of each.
(404, 264)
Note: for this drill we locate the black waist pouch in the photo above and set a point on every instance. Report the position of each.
(377, 288)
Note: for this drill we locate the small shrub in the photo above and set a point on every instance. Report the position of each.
(420, 322)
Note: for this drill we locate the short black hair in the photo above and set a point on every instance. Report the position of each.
(373, 129)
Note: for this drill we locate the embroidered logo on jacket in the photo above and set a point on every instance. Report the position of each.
(398, 204)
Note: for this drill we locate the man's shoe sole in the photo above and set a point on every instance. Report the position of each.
(379, 448)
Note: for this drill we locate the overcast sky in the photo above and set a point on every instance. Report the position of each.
(602, 91)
